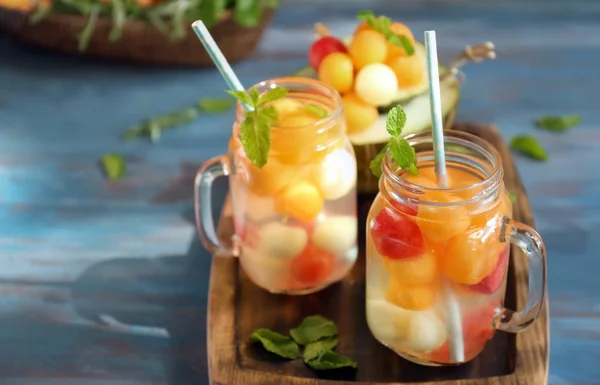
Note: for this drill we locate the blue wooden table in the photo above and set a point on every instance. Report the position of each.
(82, 258)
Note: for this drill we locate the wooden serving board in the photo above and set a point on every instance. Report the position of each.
(236, 307)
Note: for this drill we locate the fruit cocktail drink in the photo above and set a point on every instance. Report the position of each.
(420, 236)
(295, 216)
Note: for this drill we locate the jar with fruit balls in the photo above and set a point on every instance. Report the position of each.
(440, 254)
(295, 217)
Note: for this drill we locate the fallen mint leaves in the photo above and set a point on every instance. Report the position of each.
(113, 165)
(317, 334)
(558, 123)
(277, 343)
(529, 146)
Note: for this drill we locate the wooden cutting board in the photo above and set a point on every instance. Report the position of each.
(236, 307)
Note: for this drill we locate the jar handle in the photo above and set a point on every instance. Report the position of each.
(209, 171)
(528, 240)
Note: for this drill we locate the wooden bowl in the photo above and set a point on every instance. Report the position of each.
(140, 42)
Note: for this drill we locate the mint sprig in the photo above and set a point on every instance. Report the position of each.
(402, 152)
(255, 130)
(382, 25)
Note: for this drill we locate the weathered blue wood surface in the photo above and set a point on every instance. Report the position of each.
(74, 248)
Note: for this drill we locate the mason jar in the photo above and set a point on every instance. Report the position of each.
(295, 217)
(437, 257)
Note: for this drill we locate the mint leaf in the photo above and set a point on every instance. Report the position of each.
(313, 349)
(382, 25)
(512, 197)
(401, 41)
(365, 16)
(254, 96)
(317, 111)
(242, 96)
(313, 328)
(375, 164)
(216, 104)
(558, 123)
(272, 94)
(328, 359)
(395, 121)
(403, 153)
(247, 13)
(255, 132)
(276, 343)
(529, 146)
(114, 166)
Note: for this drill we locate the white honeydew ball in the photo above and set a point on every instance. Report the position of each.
(336, 234)
(376, 84)
(426, 332)
(386, 321)
(335, 176)
(281, 241)
(270, 273)
(259, 208)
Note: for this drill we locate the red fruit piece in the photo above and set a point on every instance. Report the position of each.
(477, 330)
(312, 267)
(323, 47)
(395, 235)
(492, 282)
(249, 235)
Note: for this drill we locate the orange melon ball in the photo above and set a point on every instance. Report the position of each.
(471, 256)
(418, 270)
(337, 70)
(358, 114)
(301, 200)
(408, 69)
(362, 27)
(419, 297)
(268, 180)
(368, 47)
(399, 29)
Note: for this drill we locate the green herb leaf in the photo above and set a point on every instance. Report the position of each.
(512, 197)
(395, 121)
(558, 123)
(216, 104)
(529, 146)
(114, 166)
(242, 96)
(313, 328)
(248, 12)
(271, 95)
(154, 127)
(403, 153)
(375, 164)
(255, 130)
(276, 343)
(382, 25)
(40, 13)
(313, 349)
(119, 17)
(328, 359)
(317, 111)
(88, 30)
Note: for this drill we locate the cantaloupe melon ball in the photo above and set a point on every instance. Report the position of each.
(257, 208)
(376, 84)
(301, 200)
(425, 332)
(268, 180)
(388, 322)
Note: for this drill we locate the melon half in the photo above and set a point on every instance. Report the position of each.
(415, 102)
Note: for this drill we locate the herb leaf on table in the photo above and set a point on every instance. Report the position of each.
(313, 328)
(276, 343)
(529, 146)
(558, 123)
(114, 166)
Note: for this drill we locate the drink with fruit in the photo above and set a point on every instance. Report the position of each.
(424, 241)
(292, 174)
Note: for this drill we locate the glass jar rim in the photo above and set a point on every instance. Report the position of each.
(489, 184)
(325, 90)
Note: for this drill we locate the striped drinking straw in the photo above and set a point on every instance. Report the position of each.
(453, 317)
(218, 58)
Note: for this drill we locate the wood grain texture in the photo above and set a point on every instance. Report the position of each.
(60, 219)
(237, 307)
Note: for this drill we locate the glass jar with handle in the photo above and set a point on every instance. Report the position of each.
(295, 217)
(424, 242)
